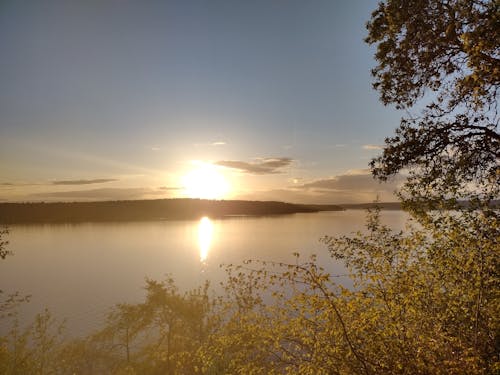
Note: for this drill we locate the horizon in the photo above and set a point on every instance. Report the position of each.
(200, 199)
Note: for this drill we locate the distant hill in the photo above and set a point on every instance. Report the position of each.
(137, 210)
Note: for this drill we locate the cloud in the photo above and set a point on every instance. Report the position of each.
(319, 196)
(155, 148)
(8, 185)
(371, 147)
(263, 166)
(354, 186)
(102, 194)
(83, 182)
(170, 188)
(353, 182)
(359, 171)
(208, 144)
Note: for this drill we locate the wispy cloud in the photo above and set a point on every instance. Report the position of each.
(371, 147)
(210, 144)
(173, 188)
(83, 182)
(359, 171)
(262, 166)
(104, 193)
(20, 184)
(155, 148)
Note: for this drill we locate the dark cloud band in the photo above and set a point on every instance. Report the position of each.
(83, 182)
(263, 166)
(352, 182)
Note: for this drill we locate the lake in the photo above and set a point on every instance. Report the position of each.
(78, 271)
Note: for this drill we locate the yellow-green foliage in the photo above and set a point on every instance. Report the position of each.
(422, 303)
(33, 349)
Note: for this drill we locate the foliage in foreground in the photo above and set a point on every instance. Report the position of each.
(422, 302)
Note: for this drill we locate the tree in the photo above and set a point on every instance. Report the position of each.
(33, 349)
(419, 305)
(3, 243)
(444, 55)
(8, 303)
(158, 336)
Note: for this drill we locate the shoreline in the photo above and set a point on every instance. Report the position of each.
(145, 210)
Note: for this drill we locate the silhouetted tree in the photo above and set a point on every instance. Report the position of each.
(8, 302)
(444, 54)
(3, 243)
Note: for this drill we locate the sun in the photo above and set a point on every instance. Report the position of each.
(205, 182)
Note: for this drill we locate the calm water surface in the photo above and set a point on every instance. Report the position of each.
(78, 271)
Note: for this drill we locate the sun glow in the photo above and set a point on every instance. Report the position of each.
(205, 182)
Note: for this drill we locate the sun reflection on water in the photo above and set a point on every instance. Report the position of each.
(205, 231)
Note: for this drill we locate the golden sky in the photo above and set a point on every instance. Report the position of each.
(224, 99)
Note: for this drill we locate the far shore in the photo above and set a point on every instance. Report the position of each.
(167, 209)
(137, 210)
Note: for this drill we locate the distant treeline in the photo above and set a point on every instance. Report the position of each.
(399, 206)
(161, 209)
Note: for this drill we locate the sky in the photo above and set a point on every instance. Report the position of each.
(122, 99)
